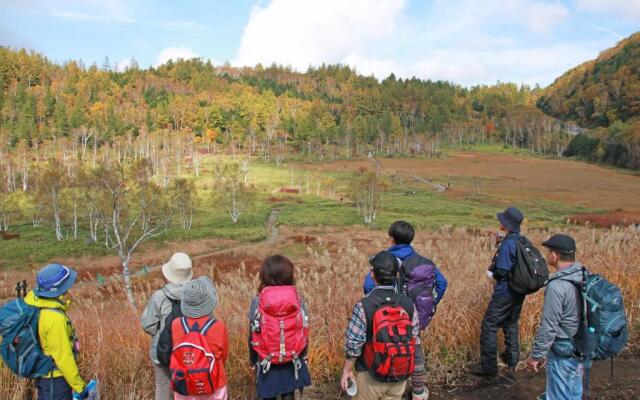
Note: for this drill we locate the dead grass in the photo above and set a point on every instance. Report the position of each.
(510, 178)
(330, 273)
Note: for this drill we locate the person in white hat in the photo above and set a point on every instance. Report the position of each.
(177, 271)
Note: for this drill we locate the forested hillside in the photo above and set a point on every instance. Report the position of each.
(329, 111)
(603, 94)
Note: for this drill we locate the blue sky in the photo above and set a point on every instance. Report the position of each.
(465, 41)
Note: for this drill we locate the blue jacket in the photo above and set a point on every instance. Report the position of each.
(402, 252)
(506, 259)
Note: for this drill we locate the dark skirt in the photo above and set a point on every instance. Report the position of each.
(281, 380)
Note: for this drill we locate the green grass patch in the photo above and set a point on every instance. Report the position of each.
(426, 209)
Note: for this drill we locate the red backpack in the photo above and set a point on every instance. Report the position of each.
(390, 352)
(193, 365)
(280, 327)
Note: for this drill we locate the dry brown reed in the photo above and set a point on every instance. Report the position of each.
(330, 277)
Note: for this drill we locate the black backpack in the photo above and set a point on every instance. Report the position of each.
(530, 272)
(165, 341)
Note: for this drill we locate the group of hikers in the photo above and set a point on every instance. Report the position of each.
(384, 335)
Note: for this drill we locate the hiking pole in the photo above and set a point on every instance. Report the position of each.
(611, 369)
(587, 379)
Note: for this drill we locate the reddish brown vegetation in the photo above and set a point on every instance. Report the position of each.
(510, 178)
(302, 239)
(9, 236)
(289, 190)
(273, 199)
(618, 217)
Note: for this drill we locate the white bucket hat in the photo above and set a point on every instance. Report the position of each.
(178, 269)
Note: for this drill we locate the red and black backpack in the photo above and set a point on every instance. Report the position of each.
(193, 365)
(389, 354)
(280, 327)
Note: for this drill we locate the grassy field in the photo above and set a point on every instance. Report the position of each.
(481, 183)
(329, 244)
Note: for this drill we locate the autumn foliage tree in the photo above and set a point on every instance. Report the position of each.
(367, 191)
(185, 201)
(134, 209)
(231, 192)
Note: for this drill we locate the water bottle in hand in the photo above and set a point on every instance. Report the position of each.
(92, 390)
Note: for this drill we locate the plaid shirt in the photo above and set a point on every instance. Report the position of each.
(356, 336)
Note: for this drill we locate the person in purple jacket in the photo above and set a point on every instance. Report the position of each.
(401, 234)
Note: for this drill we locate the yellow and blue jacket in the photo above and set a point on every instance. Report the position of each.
(57, 338)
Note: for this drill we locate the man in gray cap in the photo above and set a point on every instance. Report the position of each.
(560, 321)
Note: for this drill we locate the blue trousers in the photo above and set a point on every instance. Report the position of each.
(564, 378)
(53, 389)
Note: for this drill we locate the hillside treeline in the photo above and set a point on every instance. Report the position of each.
(603, 94)
(326, 112)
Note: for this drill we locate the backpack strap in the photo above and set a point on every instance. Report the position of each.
(172, 301)
(185, 325)
(207, 326)
(373, 301)
(584, 323)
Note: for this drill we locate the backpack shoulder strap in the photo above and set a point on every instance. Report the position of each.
(253, 307)
(172, 301)
(55, 310)
(370, 304)
(207, 326)
(185, 325)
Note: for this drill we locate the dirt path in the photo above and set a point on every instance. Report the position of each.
(625, 385)
(272, 236)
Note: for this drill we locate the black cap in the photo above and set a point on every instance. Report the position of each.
(385, 267)
(561, 243)
(511, 219)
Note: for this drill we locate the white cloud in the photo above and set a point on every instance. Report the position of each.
(452, 40)
(175, 25)
(175, 53)
(627, 9)
(103, 11)
(522, 65)
(542, 17)
(304, 32)
(83, 16)
(537, 16)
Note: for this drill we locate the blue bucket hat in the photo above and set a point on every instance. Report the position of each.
(511, 219)
(54, 280)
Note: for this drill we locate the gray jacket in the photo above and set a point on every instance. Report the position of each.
(562, 312)
(157, 310)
